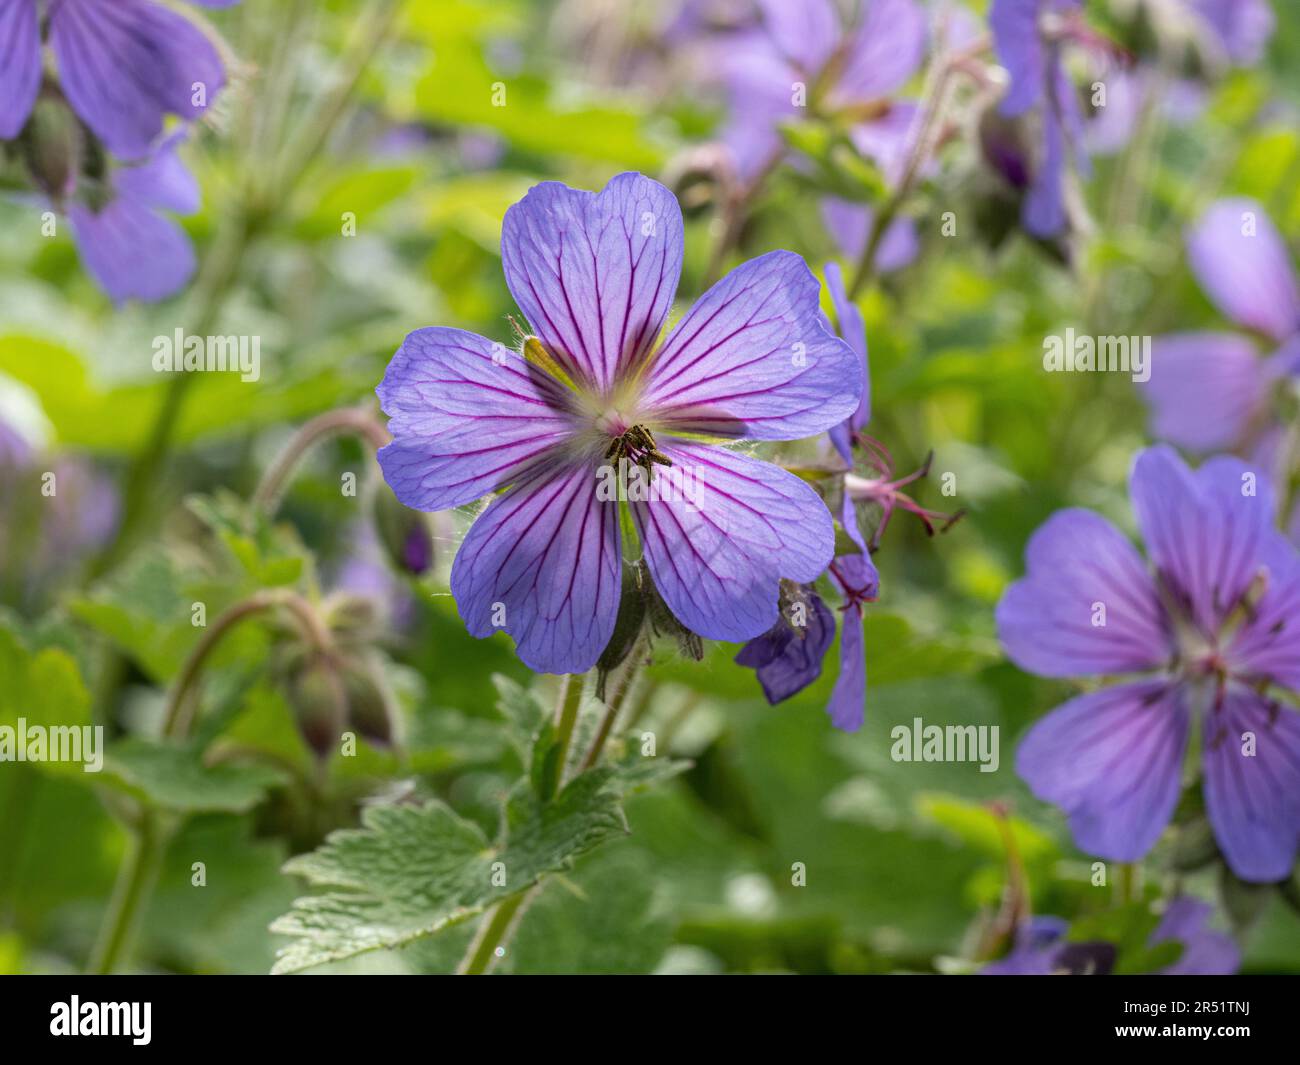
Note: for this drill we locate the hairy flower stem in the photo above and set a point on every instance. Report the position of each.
(932, 111)
(639, 657)
(498, 926)
(150, 830)
(356, 420)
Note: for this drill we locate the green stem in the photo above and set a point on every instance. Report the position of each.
(498, 926)
(135, 880)
(493, 934)
(936, 95)
(332, 423)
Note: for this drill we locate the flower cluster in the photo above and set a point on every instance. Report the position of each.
(93, 139)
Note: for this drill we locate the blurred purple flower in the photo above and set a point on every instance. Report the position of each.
(124, 65)
(1209, 633)
(850, 224)
(801, 53)
(132, 250)
(1028, 36)
(1210, 391)
(754, 359)
(1041, 948)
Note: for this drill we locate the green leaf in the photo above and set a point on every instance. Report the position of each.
(410, 871)
(977, 826)
(43, 688)
(523, 713)
(173, 777)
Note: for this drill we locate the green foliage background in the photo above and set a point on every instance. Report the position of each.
(904, 862)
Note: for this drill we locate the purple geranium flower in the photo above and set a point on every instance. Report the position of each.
(124, 65)
(595, 274)
(804, 43)
(1212, 632)
(1210, 391)
(1028, 36)
(132, 250)
(1041, 948)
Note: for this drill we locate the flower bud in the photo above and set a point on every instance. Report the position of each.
(369, 708)
(404, 533)
(319, 700)
(53, 145)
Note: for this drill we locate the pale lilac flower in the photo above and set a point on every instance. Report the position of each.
(1210, 391)
(130, 247)
(801, 49)
(1212, 635)
(753, 359)
(124, 65)
(1041, 948)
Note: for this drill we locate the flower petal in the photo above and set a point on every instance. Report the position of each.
(466, 416)
(786, 659)
(1205, 531)
(1204, 389)
(854, 332)
(1243, 265)
(755, 358)
(1205, 951)
(886, 50)
(1266, 645)
(717, 558)
(543, 563)
(20, 64)
(1043, 211)
(595, 273)
(1252, 784)
(1020, 49)
(849, 224)
(1112, 760)
(806, 33)
(848, 703)
(132, 252)
(1050, 621)
(125, 64)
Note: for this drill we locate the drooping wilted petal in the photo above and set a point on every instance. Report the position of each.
(848, 703)
(754, 358)
(1086, 604)
(131, 251)
(595, 273)
(787, 658)
(1242, 263)
(543, 564)
(1043, 211)
(717, 558)
(1204, 531)
(1205, 389)
(125, 64)
(467, 415)
(1252, 784)
(1112, 761)
(20, 64)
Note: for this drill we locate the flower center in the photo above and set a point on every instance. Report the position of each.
(637, 445)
